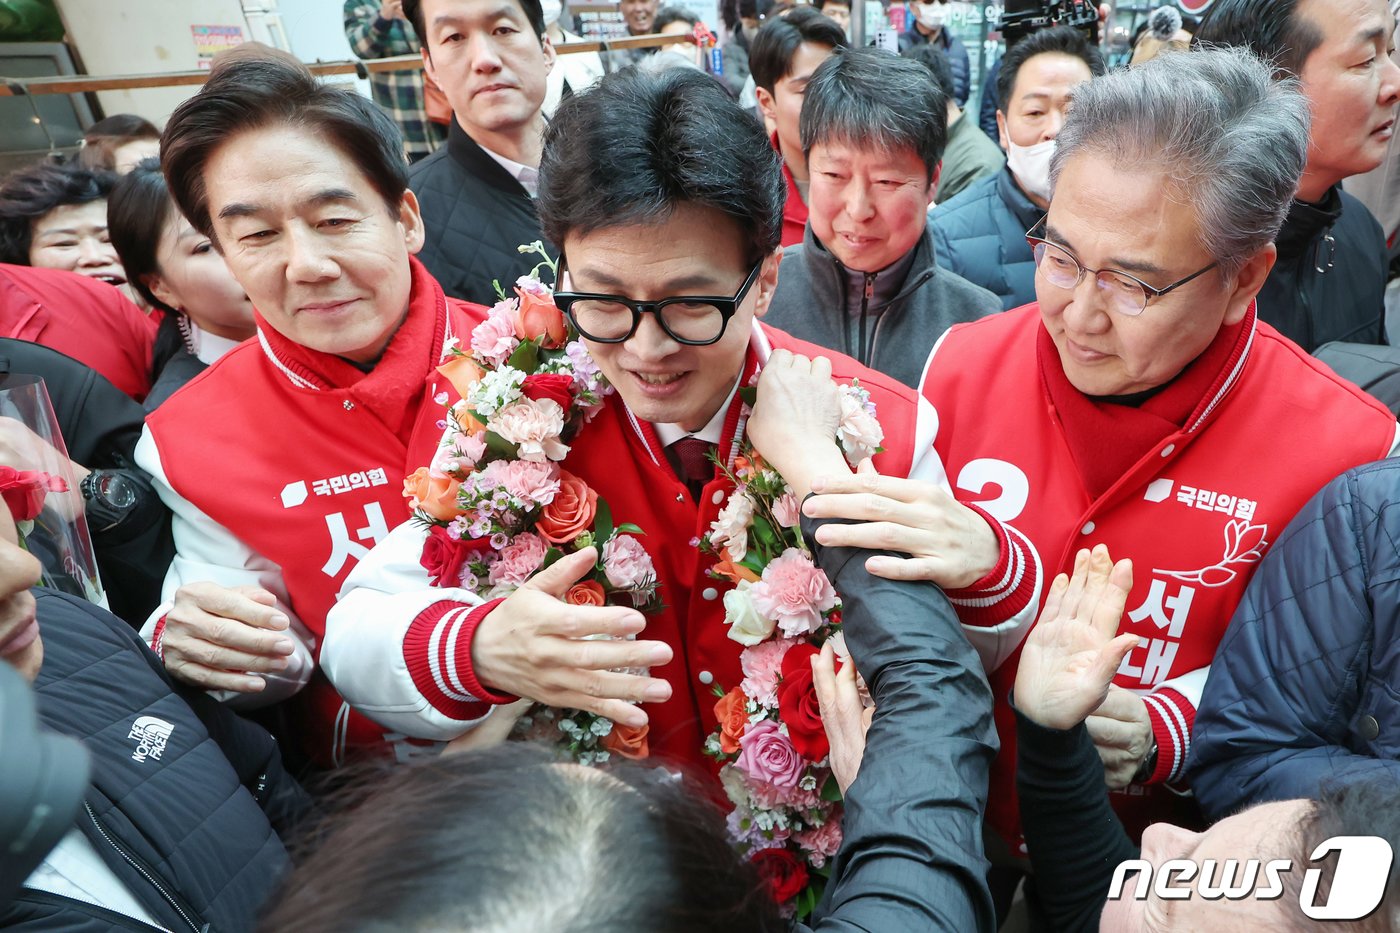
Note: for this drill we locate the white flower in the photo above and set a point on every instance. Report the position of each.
(747, 625)
(860, 434)
(731, 528)
(495, 391)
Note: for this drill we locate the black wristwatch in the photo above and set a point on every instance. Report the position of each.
(110, 496)
(1149, 764)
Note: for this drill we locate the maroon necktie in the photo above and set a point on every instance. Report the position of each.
(690, 457)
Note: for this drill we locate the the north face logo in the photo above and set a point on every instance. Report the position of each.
(150, 734)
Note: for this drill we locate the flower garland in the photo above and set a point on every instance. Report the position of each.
(498, 506)
(770, 737)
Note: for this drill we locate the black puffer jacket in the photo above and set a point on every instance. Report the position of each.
(475, 215)
(184, 795)
(1329, 281)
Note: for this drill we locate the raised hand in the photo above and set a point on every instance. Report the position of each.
(1070, 656)
(537, 646)
(794, 421)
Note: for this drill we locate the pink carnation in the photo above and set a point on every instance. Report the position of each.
(533, 482)
(794, 593)
(627, 565)
(787, 510)
(821, 843)
(763, 664)
(494, 340)
(519, 560)
(769, 797)
(767, 757)
(534, 426)
(860, 434)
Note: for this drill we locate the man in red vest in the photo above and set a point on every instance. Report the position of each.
(284, 463)
(647, 204)
(1140, 403)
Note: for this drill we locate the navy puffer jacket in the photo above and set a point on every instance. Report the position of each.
(981, 235)
(1305, 686)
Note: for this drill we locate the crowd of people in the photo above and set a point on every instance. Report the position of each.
(1079, 432)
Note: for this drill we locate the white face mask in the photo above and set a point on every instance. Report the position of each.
(930, 15)
(552, 9)
(1031, 166)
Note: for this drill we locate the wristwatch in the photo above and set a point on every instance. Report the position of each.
(110, 497)
(1149, 764)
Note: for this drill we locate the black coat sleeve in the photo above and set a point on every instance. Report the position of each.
(912, 856)
(1074, 837)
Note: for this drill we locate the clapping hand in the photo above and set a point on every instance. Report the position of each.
(1071, 655)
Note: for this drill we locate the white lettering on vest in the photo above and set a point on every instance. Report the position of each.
(343, 548)
(1011, 480)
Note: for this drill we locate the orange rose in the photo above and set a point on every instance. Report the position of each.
(462, 372)
(627, 741)
(467, 421)
(539, 318)
(733, 720)
(434, 493)
(731, 571)
(587, 593)
(571, 512)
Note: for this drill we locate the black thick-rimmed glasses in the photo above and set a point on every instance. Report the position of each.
(694, 320)
(1124, 293)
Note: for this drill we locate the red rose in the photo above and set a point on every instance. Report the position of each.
(782, 871)
(553, 386)
(24, 491)
(797, 704)
(444, 558)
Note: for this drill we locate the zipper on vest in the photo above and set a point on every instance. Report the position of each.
(864, 310)
(135, 862)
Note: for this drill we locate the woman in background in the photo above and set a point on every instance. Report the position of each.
(176, 269)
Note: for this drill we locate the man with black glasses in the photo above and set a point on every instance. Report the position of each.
(670, 257)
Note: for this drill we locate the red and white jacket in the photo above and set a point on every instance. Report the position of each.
(400, 651)
(1196, 512)
(284, 466)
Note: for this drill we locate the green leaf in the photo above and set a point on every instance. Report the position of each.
(627, 528)
(602, 522)
(764, 531)
(499, 445)
(831, 791)
(754, 562)
(550, 556)
(526, 357)
(748, 394)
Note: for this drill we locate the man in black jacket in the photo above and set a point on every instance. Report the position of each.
(1329, 281)
(477, 193)
(177, 827)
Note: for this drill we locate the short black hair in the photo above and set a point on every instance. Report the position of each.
(638, 144)
(1060, 40)
(673, 14)
(870, 97)
(261, 87)
(28, 194)
(106, 136)
(533, 10)
(826, 3)
(772, 48)
(509, 837)
(1271, 29)
(936, 61)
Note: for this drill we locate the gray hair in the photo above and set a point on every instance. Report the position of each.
(873, 99)
(1231, 140)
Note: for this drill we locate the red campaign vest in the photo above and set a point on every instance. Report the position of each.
(1195, 514)
(317, 480)
(794, 208)
(621, 458)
